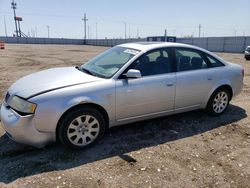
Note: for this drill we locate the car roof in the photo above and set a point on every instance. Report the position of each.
(145, 46)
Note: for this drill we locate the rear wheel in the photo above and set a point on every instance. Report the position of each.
(218, 102)
(81, 128)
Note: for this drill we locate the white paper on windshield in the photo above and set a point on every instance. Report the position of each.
(130, 51)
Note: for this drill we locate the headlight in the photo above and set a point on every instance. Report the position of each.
(22, 105)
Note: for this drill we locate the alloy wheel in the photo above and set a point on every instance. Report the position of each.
(220, 102)
(83, 130)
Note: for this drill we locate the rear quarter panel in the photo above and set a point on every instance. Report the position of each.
(230, 74)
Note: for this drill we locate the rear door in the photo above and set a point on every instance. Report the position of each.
(193, 78)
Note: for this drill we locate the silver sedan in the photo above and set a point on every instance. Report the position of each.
(127, 83)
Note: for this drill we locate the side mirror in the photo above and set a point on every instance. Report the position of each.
(133, 73)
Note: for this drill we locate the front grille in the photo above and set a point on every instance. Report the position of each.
(7, 96)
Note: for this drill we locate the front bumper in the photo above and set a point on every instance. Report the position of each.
(22, 128)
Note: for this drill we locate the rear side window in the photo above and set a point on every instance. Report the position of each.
(188, 59)
(159, 53)
(214, 62)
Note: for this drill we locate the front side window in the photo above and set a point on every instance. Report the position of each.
(153, 63)
(109, 62)
(188, 59)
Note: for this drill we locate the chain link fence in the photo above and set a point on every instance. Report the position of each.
(215, 44)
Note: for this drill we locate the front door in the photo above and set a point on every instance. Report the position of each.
(151, 94)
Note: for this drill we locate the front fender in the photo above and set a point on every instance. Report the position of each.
(51, 106)
(48, 114)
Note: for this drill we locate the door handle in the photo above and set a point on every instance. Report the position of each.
(169, 84)
(209, 78)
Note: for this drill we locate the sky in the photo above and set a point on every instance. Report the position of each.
(142, 18)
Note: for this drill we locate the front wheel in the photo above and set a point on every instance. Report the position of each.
(218, 102)
(81, 128)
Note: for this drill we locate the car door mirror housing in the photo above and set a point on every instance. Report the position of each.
(133, 73)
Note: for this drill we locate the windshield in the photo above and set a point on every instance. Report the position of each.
(108, 63)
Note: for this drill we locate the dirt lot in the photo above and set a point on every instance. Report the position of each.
(185, 150)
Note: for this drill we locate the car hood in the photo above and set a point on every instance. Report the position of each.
(49, 80)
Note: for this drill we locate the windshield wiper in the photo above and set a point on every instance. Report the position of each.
(89, 72)
(84, 70)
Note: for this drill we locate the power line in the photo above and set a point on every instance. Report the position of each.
(112, 21)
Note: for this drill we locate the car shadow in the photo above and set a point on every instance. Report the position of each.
(17, 160)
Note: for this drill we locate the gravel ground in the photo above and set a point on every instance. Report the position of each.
(184, 150)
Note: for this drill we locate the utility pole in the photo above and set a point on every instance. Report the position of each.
(5, 28)
(125, 24)
(166, 35)
(129, 31)
(88, 32)
(36, 31)
(19, 28)
(48, 27)
(174, 31)
(13, 6)
(199, 30)
(85, 26)
(235, 32)
(96, 30)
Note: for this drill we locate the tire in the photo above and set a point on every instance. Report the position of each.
(218, 102)
(81, 128)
